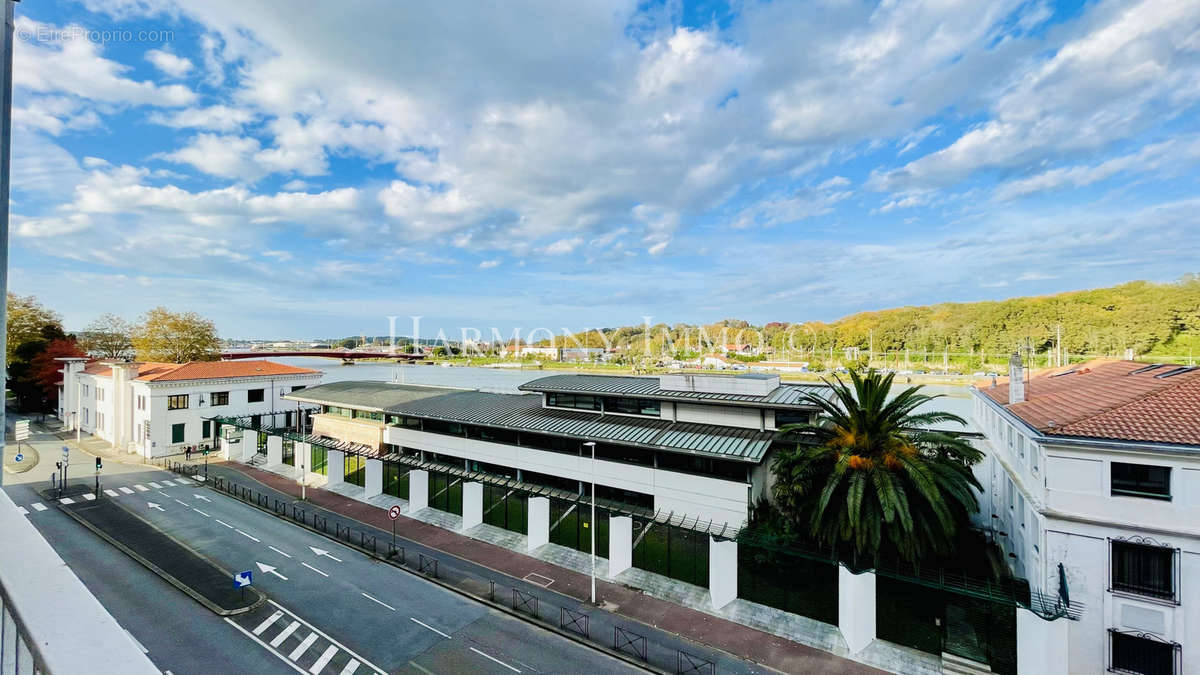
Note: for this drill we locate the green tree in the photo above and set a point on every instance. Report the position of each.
(175, 337)
(878, 480)
(31, 327)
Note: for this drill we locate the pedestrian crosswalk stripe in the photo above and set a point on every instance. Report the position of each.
(111, 493)
(350, 667)
(181, 481)
(125, 490)
(38, 506)
(22, 510)
(66, 500)
(285, 633)
(267, 623)
(303, 646)
(324, 659)
(154, 485)
(142, 488)
(89, 496)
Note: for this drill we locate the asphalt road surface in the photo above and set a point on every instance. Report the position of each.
(332, 610)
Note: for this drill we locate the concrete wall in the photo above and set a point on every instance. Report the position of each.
(730, 416)
(366, 432)
(722, 501)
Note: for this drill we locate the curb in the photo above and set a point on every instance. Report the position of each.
(612, 653)
(169, 578)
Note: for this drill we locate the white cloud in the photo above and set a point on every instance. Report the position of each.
(175, 66)
(215, 117)
(489, 264)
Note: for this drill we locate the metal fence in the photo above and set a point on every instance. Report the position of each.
(506, 508)
(570, 525)
(445, 492)
(670, 550)
(793, 583)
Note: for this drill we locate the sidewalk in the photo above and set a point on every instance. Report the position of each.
(734, 638)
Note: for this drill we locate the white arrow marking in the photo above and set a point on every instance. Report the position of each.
(323, 552)
(202, 497)
(155, 506)
(267, 569)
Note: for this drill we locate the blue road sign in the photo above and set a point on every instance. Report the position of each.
(242, 579)
(19, 457)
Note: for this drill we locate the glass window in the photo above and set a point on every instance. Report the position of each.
(289, 452)
(177, 433)
(255, 395)
(319, 460)
(1021, 446)
(633, 406)
(622, 453)
(206, 429)
(1141, 480)
(704, 466)
(785, 417)
(1143, 569)
(368, 415)
(177, 402)
(506, 436)
(1146, 656)
(575, 401)
(219, 398)
(356, 470)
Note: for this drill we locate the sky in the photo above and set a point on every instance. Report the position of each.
(307, 169)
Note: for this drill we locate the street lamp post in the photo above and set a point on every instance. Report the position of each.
(592, 525)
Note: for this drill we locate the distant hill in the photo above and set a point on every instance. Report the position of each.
(1148, 318)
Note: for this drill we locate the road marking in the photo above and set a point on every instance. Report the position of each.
(66, 500)
(254, 539)
(267, 569)
(89, 496)
(201, 512)
(285, 633)
(351, 666)
(155, 506)
(278, 551)
(379, 601)
(154, 485)
(314, 569)
(267, 622)
(181, 502)
(323, 552)
(264, 645)
(38, 506)
(141, 488)
(112, 493)
(223, 523)
(323, 659)
(489, 656)
(419, 667)
(200, 496)
(418, 621)
(125, 490)
(180, 481)
(23, 511)
(320, 632)
(303, 646)
(540, 579)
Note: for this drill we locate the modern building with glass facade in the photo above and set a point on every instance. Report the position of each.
(692, 445)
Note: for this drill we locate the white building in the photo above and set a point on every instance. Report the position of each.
(155, 409)
(1097, 467)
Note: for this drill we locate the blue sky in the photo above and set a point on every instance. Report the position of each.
(312, 171)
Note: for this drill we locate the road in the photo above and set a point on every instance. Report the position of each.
(332, 609)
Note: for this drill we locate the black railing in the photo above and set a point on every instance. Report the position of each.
(575, 622)
(629, 642)
(690, 664)
(427, 565)
(524, 602)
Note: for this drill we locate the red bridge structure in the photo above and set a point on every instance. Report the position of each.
(345, 355)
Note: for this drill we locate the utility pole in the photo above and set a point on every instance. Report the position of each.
(6, 56)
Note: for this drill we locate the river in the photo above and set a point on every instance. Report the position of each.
(954, 398)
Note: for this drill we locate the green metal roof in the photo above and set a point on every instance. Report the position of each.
(524, 412)
(375, 396)
(784, 396)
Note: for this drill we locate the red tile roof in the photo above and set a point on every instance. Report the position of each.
(1118, 400)
(202, 370)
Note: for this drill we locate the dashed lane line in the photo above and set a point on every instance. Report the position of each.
(181, 502)
(201, 512)
(489, 656)
(421, 668)
(323, 659)
(38, 506)
(278, 551)
(250, 537)
(314, 569)
(379, 601)
(422, 623)
(285, 633)
(223, 523)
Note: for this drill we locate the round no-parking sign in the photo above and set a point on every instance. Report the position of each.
(394, 512)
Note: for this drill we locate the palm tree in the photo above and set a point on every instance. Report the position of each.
(878, 479)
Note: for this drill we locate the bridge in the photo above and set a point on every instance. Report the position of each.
(343, 354)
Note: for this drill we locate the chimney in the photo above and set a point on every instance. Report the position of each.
(1016, 379)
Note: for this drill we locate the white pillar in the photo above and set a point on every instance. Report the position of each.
(418, 490)
(302, 459)
(538, 516)
(374, 478)
(335, 467)
(856, 608)
(620, 544)
(274, 450)
(722, 571)
(1041, 644)
(225, 448)
(472, 505)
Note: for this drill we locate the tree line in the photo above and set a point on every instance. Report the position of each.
(36, 339)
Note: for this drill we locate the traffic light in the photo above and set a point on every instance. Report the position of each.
(97, 463)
